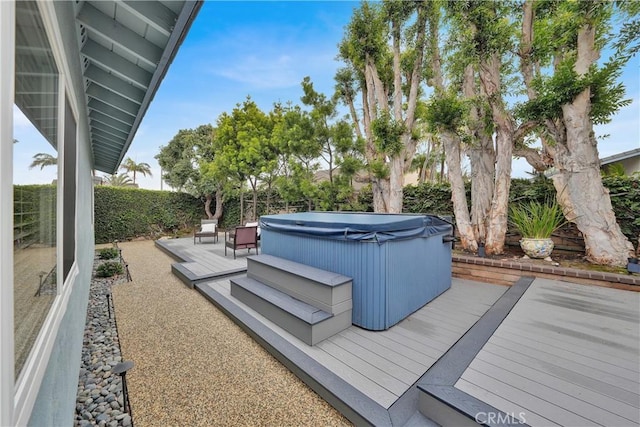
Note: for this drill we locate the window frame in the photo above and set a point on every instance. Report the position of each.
(17, 396)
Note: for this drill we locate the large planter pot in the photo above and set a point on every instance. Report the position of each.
(536, 248)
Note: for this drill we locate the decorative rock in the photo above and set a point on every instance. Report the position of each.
(99, 392)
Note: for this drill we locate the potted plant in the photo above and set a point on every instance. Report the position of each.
(536, 222)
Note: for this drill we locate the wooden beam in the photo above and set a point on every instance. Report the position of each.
(116, 64)
(155, 14)
(113, 83)
(113, 99)
(120, 35)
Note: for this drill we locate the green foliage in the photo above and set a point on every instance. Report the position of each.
(108, 253)
(624, 192)
(125, 213)
(131, 166)
(42, 160)
(185, 161)
(388, 133)
(445, 112)
(523, 190)
(614, 169)
(536, 220)
(606, 96)
(109, 269)
(428, 198)
(119, 180)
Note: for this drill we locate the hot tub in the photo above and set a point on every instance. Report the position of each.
(398, 262)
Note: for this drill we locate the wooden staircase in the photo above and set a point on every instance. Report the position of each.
(309, 303)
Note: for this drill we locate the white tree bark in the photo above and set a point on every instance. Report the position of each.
(482, 160)
(451, 144)
(497, 230)
(584, 199)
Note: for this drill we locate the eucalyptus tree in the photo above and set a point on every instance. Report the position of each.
(569, 90)
(130, 165)
(488, 38)
(384, 48)
(185, 163)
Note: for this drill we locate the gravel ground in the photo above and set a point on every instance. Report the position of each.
(193, 365)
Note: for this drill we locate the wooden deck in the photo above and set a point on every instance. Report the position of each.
(566, 354)
(203, 261)
(383, 365)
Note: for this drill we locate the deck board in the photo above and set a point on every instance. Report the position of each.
(603, 354)
(590, 396)
(397, 357)
(204, 260)
(566, 354)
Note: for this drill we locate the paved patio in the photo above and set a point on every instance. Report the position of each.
(556, 352)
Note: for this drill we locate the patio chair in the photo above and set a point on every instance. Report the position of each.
(241, 238)
(254, 224)
(208, 228)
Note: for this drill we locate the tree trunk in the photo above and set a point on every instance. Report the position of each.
(207, 205)
(219, 205)
(451, 144)
(482, 158)
(490, 80)
(379, 189)
(396, 181)
(497, 230)
(584, 200)
(482, 161)
(422, 177)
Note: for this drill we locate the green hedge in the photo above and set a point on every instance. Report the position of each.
(124, 213)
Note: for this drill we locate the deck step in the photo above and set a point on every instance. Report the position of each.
(306, 322)
(323, 289)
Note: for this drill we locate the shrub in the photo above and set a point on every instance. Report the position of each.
(125, 213)
(109, 269)
(108, 253)
(536, 220)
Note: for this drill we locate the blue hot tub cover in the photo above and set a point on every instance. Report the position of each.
(356, 225)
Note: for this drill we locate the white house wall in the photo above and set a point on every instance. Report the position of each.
(55, 401)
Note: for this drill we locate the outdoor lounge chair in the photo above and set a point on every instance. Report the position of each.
(208, 228)
(254, 224)
(241, 238)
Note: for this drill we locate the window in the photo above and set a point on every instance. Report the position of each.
(34, 178)
(69, 193)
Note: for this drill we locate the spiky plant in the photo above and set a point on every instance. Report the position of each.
(537, 220)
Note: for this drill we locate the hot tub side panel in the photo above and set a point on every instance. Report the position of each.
(418, 270)
(364, 262)
(390, 281)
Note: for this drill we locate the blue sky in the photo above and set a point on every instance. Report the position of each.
(264, 49)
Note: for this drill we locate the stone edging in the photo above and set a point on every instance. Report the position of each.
(507, 272)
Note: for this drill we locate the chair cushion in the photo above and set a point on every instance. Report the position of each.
(208, 228)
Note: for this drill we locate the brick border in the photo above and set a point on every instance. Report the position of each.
(507, 272)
